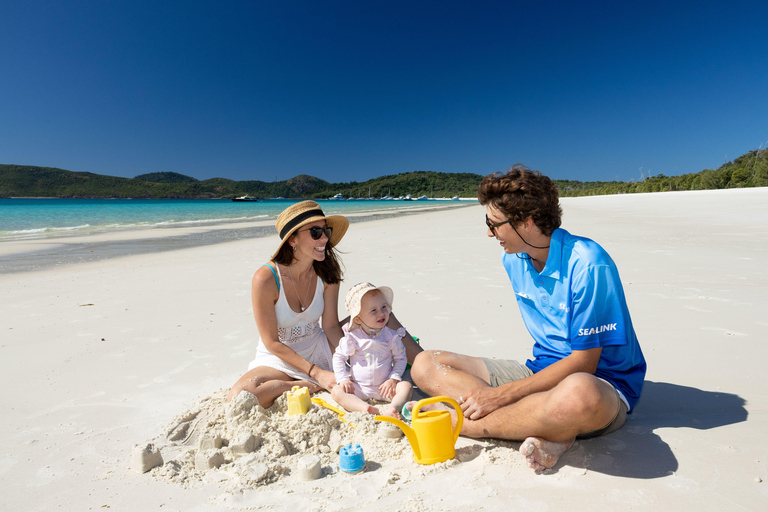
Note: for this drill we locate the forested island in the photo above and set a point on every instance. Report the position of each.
(749, 170)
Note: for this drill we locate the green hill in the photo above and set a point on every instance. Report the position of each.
(749, 170)
(166, 177)
(417, 183)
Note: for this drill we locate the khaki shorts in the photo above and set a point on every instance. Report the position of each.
(501, 371)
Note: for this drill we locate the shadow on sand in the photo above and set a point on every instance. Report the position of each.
(636, 451)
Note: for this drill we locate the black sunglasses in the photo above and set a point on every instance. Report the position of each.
(316, 232)
(493, 226)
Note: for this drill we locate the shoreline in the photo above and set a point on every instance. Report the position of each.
(33, 254)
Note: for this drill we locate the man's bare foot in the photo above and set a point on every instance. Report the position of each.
(542, 454)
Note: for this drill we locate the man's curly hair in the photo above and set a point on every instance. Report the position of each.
(521, 193)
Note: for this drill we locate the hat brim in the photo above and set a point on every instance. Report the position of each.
(338, 223)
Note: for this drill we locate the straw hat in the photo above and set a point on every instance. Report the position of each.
(301, 214)
(354, 300)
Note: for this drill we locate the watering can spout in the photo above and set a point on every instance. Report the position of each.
(408, 431)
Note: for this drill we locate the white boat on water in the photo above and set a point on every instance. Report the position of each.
(422, 198)
(337, 197)
(387, 198)
(407, 197)
(244, 199)
(455, 198)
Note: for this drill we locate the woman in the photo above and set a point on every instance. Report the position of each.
(290, 294)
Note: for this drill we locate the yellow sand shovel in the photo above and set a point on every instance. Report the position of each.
(323, 403)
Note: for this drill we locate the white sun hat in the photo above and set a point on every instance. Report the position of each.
(355, 295)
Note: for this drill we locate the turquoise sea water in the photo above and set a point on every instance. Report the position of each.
(38, 218)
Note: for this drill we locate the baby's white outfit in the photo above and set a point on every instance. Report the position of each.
(301, 332)
(373, 359)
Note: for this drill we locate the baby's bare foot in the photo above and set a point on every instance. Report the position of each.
(391, 411)
(372, 410)
(541, 454)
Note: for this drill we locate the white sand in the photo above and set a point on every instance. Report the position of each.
(97, 357)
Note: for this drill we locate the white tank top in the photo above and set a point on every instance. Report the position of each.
(299, 331)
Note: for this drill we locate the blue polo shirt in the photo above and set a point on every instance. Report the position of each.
(576, 303)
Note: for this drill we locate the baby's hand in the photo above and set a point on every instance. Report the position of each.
(348, 387)
(387, 389)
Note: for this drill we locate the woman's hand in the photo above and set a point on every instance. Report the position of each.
(388, 388)
(324, 378)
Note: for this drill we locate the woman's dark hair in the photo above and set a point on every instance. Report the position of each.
(329, 270)
(521, 193)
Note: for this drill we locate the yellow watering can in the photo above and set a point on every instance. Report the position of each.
(431, 436)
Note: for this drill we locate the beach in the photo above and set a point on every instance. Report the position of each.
(100, 354)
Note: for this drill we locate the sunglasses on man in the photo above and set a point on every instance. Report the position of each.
(493, 226)
(316, 232)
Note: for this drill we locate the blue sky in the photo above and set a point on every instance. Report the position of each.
(351, 90)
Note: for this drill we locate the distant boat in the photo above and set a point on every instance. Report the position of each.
(244, 199)
(337, 197)
(407, 197)
(422, 198)
(455, 198)
(387, 198)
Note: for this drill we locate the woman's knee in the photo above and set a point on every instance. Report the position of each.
(247, 382)
(236, 390)
(240, 387)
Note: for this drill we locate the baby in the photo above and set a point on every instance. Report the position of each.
(375, 353)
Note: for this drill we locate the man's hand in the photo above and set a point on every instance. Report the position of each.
(479, 402)
(388, 388)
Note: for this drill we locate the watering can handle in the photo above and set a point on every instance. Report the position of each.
(448, 400)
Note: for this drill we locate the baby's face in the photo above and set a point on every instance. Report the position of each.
(374, 310)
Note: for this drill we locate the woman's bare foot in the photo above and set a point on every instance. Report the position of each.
(438, 406)
(311, 386)
(541, 454)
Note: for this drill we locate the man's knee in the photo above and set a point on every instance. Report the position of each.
(580, 395)
(421, 365)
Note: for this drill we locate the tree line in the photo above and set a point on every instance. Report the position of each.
(749, 170)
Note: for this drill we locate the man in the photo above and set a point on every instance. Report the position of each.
(587, 369)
